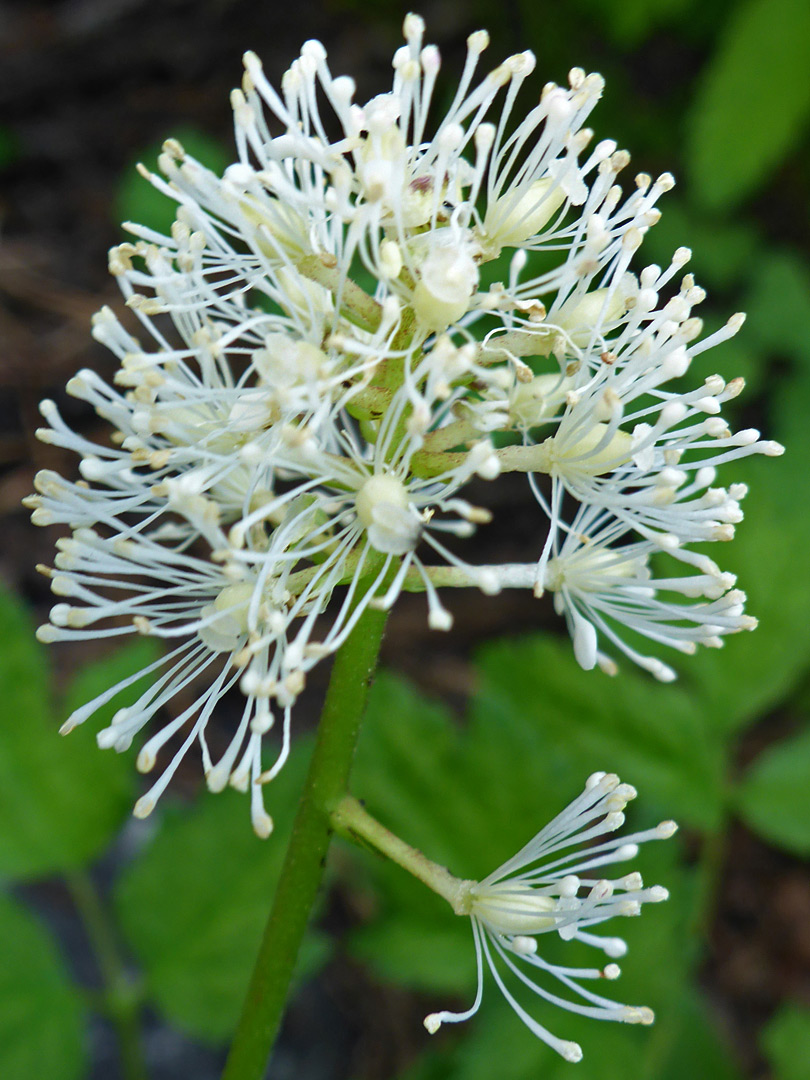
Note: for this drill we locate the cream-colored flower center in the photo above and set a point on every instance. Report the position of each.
(377, 490)
(510, 221)
(581, 316)
(448, 277)
(539, 399)
(382, 507)
(593, 453)
(230, 611)
(509, 911)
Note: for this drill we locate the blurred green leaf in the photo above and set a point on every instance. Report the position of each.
(138, 201)
(785, 1041)
(738, 358)
(41, 1017)
(774, 796)
(424, 954)
(687, 1043)
(408, 753)
(194, 904)
(61, 800)
(723, 251)
(653, 735)
(631, 22)
(779, 304)
(753, 102)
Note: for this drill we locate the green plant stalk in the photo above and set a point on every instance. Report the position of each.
(119, 997)
(352, 820)
(713, 855)
(304, 862)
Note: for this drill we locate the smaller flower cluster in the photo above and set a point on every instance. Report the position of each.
(548, 887)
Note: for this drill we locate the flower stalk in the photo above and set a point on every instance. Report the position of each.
(351, 819)
(119, 997)
(303, 867)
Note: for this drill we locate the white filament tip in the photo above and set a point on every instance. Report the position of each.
(144, 806)
(571, 1051)
(432, 1022)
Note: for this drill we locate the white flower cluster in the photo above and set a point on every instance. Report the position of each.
(551, 885)
(367, 310)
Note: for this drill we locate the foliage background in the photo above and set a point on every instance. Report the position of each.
(120, 934)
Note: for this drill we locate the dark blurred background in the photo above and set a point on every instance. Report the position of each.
(719, 94)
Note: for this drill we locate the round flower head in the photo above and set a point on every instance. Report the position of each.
(312, 368)
(549, 888)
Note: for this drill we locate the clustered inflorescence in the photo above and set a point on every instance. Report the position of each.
(552, 885)
(366, 311)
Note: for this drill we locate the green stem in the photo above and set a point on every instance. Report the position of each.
(304, 862)
(710, 873)
(360, 308)
(119, 996)
(350, 818)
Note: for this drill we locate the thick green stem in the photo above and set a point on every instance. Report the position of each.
(350, 818)
(119, 996)
(303, 865)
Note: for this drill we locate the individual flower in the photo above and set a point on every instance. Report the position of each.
(605, 581)
(552, 885)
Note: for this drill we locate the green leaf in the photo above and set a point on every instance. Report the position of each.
(785, 1041)
(723, 251)
(194, 904)
(41, 1016)
(774, 796)
(687, 1042)
(633, 21)
(61, 800)
(753, 102)
(408, 755)
(778, 306)
(424, 954)
(139, 202)
(652, 735)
